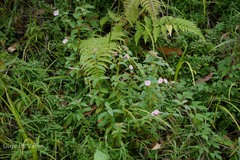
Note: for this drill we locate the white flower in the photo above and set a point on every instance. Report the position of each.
(165, 80)
(160, 80)
(65, 40)
(130, 67)
(56, 13)
(126, 56)
(147, 82)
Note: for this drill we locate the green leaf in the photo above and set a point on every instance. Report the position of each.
(156, 33)
(139, 32)
(101, 115)
(131, 11)
(77, 15)
(110, 111)
(69, 120)
(152, 6)
(99, 155)
(74, 31)
(114, 16)
(103, 21)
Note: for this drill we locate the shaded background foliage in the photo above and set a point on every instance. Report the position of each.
(52, 107)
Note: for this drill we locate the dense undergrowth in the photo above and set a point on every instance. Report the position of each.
(130, 79)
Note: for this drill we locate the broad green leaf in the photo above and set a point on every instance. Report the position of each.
(99, 155)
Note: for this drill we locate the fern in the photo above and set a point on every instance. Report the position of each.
(168, 23)
(164, 26)
(152, 7)
(96, 54)
(131, 10)
(153, 28)
(139, 32)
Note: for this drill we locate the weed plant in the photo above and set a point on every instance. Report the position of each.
(86, 80)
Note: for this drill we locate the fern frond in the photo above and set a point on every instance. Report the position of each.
(156, 33)
(148, 28)
(152, 6)
(139, 32)
(116, 35)
(131, 10)
(96, 54)
(187, 26)
(167, 23)
(114, 16)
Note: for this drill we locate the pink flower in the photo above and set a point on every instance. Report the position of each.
(56, 13)
(65, 40)
(155, 112)
(160, 80)
(130, 67)
(147, 82)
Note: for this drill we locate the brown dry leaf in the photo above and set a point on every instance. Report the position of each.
(204, 79)
(157, 146)
(90, 112)
(13, 47)
(168, 51)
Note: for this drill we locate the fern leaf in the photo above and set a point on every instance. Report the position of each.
(96, 54)
(164, 31)
(156, 33)
(148, 28)
(187, 26)
(114, 16)
(117, 35)
(152, 6)
(139, 32)
(178, 24)
(131, 10)
(103, 21)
